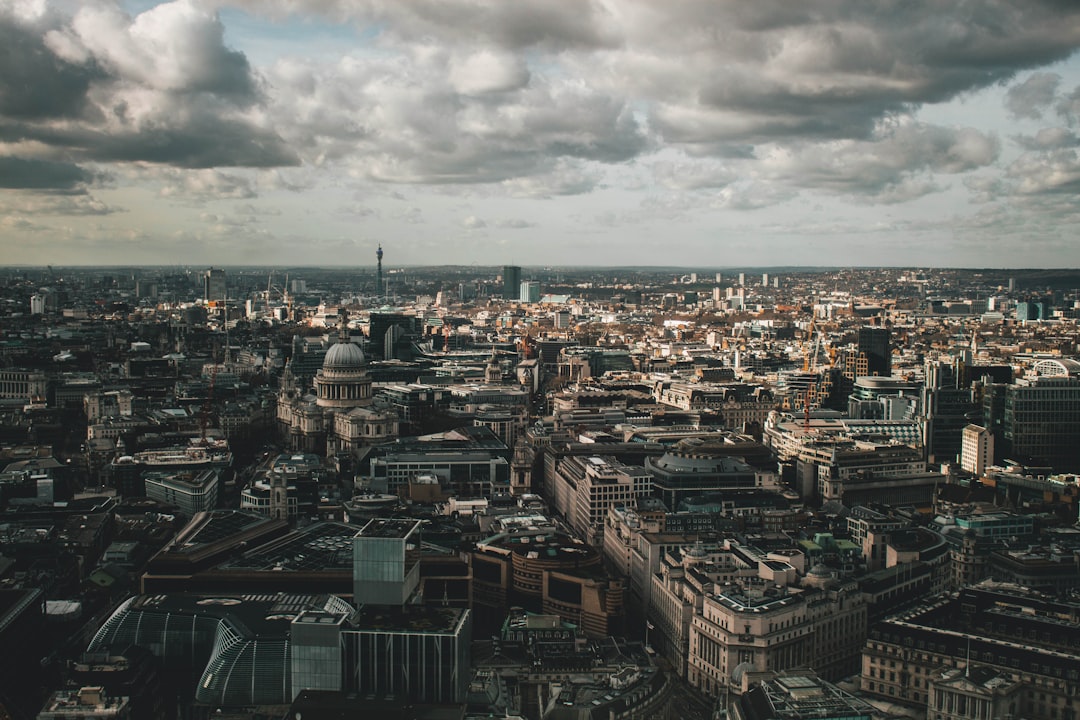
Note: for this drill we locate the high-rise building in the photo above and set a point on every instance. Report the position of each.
(764, 279)
(529, 292)
(386, 562)
(511, 282)
(742, 279)
(1041, 416)
(977, 452)
(874, 343)
(214, 287)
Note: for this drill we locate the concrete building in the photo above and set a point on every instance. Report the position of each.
(1041, 416)
(545, 571)
(800, 695)
(977, 450)
(1006, 630)
(586, 487)
(87, 703)
(757, 627)
(190, 492)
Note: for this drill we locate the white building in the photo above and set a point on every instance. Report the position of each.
(976, 449)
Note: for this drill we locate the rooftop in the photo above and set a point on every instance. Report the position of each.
(384, 528)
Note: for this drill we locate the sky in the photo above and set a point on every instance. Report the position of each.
(694, 133)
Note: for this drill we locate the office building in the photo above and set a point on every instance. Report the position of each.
(188, 491)
(546, 571)
(511, 276)
(1036, 419)
(529, 291)
(585, 487)
(214, 287)
(386, 562)
(977, 450)
(874, 343)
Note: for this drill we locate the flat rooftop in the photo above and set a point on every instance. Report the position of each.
(324, 546)
(388, 528)
(409, 618)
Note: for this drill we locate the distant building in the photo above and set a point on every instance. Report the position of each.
(511, 282)
(529, 291)
(214, 286)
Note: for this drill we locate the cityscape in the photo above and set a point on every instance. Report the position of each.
(539, 492)
(539, 360)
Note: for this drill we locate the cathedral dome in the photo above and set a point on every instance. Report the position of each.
(344, 356)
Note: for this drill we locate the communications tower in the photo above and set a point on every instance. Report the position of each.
(378, 272)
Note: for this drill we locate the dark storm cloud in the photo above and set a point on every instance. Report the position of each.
(19, 173)
(161, 88)
(34, 82)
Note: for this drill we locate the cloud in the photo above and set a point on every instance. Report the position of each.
(204, 185)
(472, 222)
(22, 174)
(33, 204)
(433, 116)
(884, 168)
(1056, 171)
(486, 72)
(514, 224)
(159, 87)
(1029, 98)
(565, 178)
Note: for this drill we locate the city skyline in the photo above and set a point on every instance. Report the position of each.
(832, 134)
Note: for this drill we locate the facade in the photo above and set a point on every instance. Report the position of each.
(23, 385)
(214, 285)
(529, 291)
(874, 343)
(693, 469)
(1007, 630)
(586, 487)
(977, 450)
(1042, 416)
(190, 492)
(338, 416)
(511, 276)
(757, 627)
(386, 562)
(467, 473)
(545, 571)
